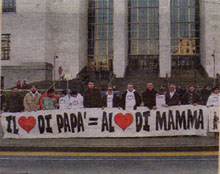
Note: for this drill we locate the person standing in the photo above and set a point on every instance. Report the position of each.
(31, 100)
(49, 102)
(45, 95)
(2, 100)
(172, 97)
(14, 102)
(110, 100)
(76, 100)
(149, 96)
(191, 97)
(214, 98)
(205, 93)
(92, 96)
(130, 99)
(64, 100)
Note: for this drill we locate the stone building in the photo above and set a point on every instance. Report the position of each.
(39, 37)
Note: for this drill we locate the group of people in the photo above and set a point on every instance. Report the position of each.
(92, 98)
(22, 85)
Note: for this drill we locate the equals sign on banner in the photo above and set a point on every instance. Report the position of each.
(93, 121)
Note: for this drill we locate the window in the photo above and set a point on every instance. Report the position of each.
(8, 5)
(6, 46)
(185, 32)
(100, 34)
(143, 25)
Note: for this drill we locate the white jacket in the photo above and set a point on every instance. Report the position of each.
(76, 102)
(214, 99)
(64, 102)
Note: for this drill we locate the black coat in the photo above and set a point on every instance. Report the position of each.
(14, 103)
(2, 101)
(149, 98)
(137, 99)
(116, 101)
(195, 98)
(205, 95)
(92, 98)
(172, 101)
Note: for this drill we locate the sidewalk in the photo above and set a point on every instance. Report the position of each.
(155, 144)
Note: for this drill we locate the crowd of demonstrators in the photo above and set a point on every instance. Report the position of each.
(92, 98)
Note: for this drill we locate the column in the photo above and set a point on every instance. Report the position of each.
(165, 40)
(120, 38)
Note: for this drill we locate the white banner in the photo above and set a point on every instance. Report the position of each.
(171, 121)
(214, 119)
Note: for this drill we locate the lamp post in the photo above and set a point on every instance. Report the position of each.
(67, 77)
(54, 70)
(213, 55)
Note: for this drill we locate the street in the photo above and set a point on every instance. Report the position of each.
(108, 163)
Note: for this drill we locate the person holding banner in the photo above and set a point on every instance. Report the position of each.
(92, 96)
(110, 100)
(172, 97)
(64, 102)
(149, 96)
(45, 95)
(14, 102)
(214, 98)
(130, 99)
(49, 102)
(191, 97)
(31, 100)
(76, 100)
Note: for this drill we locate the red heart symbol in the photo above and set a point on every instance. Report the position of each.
(123, 121)
(27, 123)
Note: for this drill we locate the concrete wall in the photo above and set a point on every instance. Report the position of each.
(210, 35)
(67, 28)
(164, 38)
(27, 71)
(27, 28)
(43, 29)
(120, 37)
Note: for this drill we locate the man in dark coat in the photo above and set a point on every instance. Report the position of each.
(172, 97)
(2, 100)
(14, 102)
(191, 97)
(110, 99)
(149, 96)
(205, 93)
(130, 99)
(92, 97)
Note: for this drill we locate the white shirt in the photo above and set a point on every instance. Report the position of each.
(214, 99)
(130, 101)
(109, 100)
(160, 100)
(172, 94)
(76, 102)
(64, 102)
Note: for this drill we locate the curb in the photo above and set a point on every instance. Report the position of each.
(109, 149)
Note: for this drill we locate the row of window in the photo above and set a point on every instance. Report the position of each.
(143, 29)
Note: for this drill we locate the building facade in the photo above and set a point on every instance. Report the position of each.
(41, 37)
